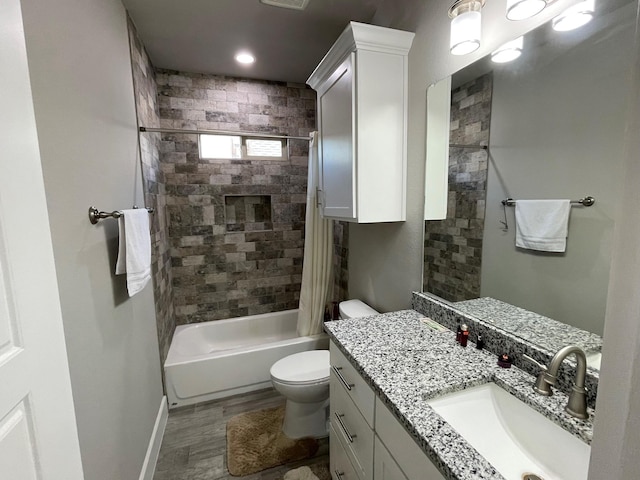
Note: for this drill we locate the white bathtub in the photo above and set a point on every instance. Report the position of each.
(225, 357)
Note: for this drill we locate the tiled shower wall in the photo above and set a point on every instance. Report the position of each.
(153, 181)
(226, 265)
(453, 247)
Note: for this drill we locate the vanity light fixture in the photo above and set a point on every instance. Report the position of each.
(245, 58)
(575, 16)
(523, 9)
(465, 26)
(509, 51)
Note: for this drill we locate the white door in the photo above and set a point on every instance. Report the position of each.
(38, 436)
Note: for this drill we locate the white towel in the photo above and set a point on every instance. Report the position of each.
(542, 224)
(134, 253)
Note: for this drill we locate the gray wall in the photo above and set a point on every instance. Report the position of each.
(81, 78)
(557, 132)
(616, 439)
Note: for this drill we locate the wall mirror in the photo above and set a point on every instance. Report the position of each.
(554, 122)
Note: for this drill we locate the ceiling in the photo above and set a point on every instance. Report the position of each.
(204, 35)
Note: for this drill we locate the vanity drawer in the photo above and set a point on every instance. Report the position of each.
(352, 383)
(354, 432)
(339, 464)
(405, 451)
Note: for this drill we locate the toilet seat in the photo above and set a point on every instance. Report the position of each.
(302, 368)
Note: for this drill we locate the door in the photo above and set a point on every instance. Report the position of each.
(38, 437)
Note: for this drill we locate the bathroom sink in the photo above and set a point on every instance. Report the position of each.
(512, 436)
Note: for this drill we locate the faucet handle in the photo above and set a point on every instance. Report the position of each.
(540, 386)
(535, 362)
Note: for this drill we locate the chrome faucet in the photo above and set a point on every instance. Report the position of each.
(577, 404)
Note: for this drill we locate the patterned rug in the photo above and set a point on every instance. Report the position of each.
(255, 442)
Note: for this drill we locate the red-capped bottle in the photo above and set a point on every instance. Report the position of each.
(464, 335)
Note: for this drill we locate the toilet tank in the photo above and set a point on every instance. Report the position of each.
(355, 309)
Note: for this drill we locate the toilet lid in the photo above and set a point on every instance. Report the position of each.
(303, 367)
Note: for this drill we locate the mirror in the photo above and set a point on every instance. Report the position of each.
(554, 122)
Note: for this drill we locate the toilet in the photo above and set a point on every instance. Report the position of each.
(303, 378)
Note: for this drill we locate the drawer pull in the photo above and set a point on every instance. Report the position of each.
(339, 474)
(344, 427)
(346, 384)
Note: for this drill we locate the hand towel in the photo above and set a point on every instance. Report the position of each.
(542, 224)
(134, 252)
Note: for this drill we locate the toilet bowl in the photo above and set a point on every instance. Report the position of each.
(303, 378)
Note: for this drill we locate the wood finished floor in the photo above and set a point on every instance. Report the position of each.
(195, 443)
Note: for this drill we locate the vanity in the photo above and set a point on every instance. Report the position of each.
(386, 371)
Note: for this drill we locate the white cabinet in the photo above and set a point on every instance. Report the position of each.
(385, 467)
(366, 441)
(362, 122)
(351, 410)
(403, 449)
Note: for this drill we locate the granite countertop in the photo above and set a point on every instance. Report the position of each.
(534, 328)
(407, 363)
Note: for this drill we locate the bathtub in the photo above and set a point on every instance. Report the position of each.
(226, 357)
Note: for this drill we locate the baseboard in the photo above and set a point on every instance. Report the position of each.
(151, 458)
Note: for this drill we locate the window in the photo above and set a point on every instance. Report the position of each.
(241, 147)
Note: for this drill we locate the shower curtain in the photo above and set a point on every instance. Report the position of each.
(318, 255)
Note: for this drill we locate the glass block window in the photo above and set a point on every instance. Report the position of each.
(242, 147)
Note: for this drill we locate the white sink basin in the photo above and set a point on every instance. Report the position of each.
(512, 436)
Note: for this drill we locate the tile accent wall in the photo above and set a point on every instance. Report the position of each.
(453, 247)
(154, 184)
(222, 267)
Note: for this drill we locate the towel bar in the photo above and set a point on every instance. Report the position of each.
(585, 202)
(95, 215)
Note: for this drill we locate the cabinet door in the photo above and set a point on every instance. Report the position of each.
(336, 148)
(385, 468)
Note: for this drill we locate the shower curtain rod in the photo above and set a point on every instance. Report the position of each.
(218, 132)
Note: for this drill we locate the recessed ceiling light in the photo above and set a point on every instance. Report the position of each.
(294, 4)
(245, 58)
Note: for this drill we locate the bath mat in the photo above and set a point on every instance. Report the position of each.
(255, 442)
(319, 471)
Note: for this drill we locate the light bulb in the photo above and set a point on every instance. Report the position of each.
(522, 9)
(245, 58)
(465, 33)
(574, 17)
(508, 52)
